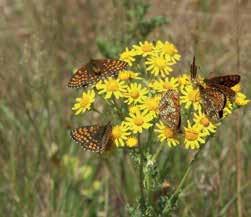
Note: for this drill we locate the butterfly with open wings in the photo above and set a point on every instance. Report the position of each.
(94, 138)
(96, 70)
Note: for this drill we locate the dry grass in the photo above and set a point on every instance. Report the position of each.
(41, 41)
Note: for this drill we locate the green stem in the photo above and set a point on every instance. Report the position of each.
(141, 174)
(178, 190)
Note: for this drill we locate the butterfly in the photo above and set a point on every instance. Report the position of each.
(94, 138)
(94, 71)
(169, 109)
(215, 92)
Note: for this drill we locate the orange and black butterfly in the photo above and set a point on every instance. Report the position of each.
(169, 109)
(215, 92)
(94, 138)
(94, 71)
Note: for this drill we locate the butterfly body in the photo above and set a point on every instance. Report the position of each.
(169, 109)
(93, 138)
(94, 71)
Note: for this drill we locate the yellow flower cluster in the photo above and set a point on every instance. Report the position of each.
(135, 95)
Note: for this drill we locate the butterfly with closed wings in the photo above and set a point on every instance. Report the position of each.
(215, 92)
(96, 70)
(94, 138)
(169, 109)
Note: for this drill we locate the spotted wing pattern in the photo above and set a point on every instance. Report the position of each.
(213, 102)
(93, 138)
(94, 71)
(169, 109)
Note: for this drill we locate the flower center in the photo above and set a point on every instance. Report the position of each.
(134, 94)
(139, 121)
(167, 85)
(204, 121)
(85, 101)
(146, 48)
(112, 85)
(116, 132)
(191, 135)
(160, 63)
(194, 96)
(168, 132)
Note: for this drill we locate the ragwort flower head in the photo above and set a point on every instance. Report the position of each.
(241, 99)
(159, 65)
(166, 134)
(144, 48)
(151, 104)
(84, 102)
(207, 126)
(135, 93)
(132, 142)
(128, 56)
(183, 81)
(164, 85)
(191, 97)
(139, 120)
(194, 136)
(111, 87)
(120, 134)
(168, 49)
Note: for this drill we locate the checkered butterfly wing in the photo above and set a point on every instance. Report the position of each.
(94, 71)
(93, 138)
(169, 109)
(213, 102)
(224, 83)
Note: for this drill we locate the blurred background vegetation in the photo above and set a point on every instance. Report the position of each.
(43, 173)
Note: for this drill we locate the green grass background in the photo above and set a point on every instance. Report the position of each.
(41, 42)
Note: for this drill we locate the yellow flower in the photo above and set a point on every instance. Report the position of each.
(191, 97)
(128, 56)
(164, 85)
(159, 65)
(144, 49)
(194, 136)
(135, 93)
(84, 103)
(127, 75)
(120, 134)
(111, 87)
(241, 99)
(138, 121)
(166, 134)
(184, 80)
(228, 109)
(236, 88)
(132, 142)
(207, 126)
(151, 104)
(168, 49)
